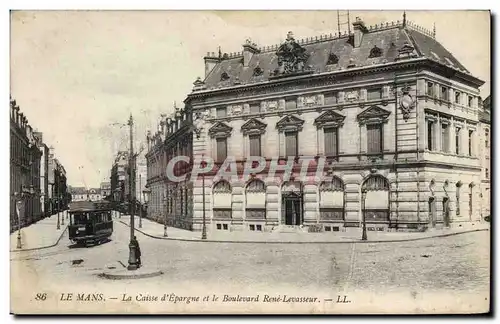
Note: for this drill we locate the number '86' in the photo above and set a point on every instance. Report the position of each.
(41, 296)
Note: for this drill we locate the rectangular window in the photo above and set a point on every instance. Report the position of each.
(330, 98)
(487, 173)
(457, 140)
(291, 147)
(471, 132)
(254, 145)
(254, 108)
(221, 149)
(221, 112)
(445, 138)
(444, 93)
(331, 141)
(487, 138)
(290, 104)
(457, 97)
(430, 136)
(469, 101)
(374, 137)
(430, 89)
(374, 94)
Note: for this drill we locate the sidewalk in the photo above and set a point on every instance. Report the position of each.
(42, 234)
(155, 230)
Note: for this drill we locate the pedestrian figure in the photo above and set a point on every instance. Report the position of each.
(138, 251)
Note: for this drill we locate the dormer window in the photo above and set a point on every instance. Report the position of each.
(375, 52)
(258, 71)
(332, 59)
(224, 76)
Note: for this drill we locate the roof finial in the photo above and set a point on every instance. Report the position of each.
(404, 18)
(434, 31)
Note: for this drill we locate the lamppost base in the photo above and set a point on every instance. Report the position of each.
(19, 243)
(363, 237)
(132, 259)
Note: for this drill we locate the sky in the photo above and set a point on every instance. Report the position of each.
(78, 75)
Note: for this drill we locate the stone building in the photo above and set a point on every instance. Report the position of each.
(79, 194)
(391, 112)
(170, 201)
(58, 190)
(484, 156)
(24, 170)
(117, 179)
(44, 174)
(105, 188)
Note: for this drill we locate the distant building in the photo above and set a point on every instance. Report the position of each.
(79, 194)
(94, 194)
(118, 175)
(105, 190)
(44, 174)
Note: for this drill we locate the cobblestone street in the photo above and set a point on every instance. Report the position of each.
(456, 266)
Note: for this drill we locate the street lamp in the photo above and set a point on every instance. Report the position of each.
(165, 214)
(204, 228)
(60, 199)
(146, 193)
(58, 216)
(363, 201)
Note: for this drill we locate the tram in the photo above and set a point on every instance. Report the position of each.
(90, 222)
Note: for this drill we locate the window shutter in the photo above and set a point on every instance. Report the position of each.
(291, 144)
(254, 145)
(330, 141)
(221, 149)
(374, 137)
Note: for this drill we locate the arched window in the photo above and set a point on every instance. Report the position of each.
(255, 208)
(222, 201)
(222, 187)
(256, 185)
(331, 200)
(375, 196)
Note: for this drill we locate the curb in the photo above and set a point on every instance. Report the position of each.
(43, 247)
(131, 276)
(308, 242)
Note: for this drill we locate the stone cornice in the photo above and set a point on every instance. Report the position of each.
(318, 78)
(333, 78)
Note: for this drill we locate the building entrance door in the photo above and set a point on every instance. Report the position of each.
(292, 209)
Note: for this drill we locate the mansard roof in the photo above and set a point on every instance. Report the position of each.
(389, 40)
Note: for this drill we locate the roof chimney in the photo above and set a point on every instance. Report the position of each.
(249, 49)
(359, 30)
(210, 62)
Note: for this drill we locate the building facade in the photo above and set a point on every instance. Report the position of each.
(105, 190)
(94, 194)
(171, 202)
(117, 179)
(484, 156)
(79, 194)
(44, 174)
(59, 195)
(385, 119)
(25, 207)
